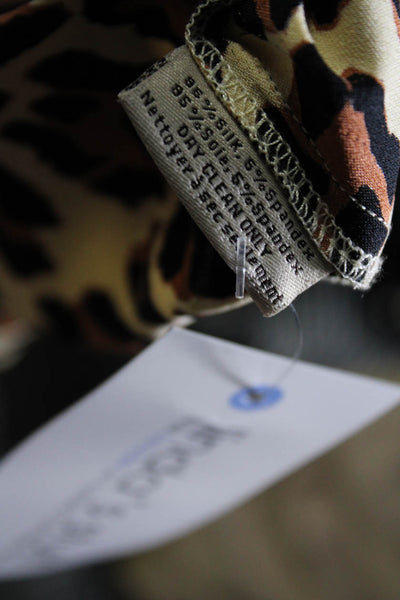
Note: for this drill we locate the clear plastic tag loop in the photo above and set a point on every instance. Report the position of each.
(257, 394)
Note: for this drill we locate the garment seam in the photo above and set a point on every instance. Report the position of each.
(309, 138)
(321, 220)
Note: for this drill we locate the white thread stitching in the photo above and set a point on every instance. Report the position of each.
(352, 262)
(307, 134)
(319, 154)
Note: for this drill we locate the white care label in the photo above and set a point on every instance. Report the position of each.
(222, 181)
(166, 445)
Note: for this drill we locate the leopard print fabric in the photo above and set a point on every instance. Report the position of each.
(91, 237)
(315, 85)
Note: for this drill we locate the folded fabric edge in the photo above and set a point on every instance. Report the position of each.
(350, 262)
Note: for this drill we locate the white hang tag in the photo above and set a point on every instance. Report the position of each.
(166, 445)
(225, 185)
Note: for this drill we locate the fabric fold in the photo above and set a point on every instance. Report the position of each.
(315, 86)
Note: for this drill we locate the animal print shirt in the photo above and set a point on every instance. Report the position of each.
(93, 240)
